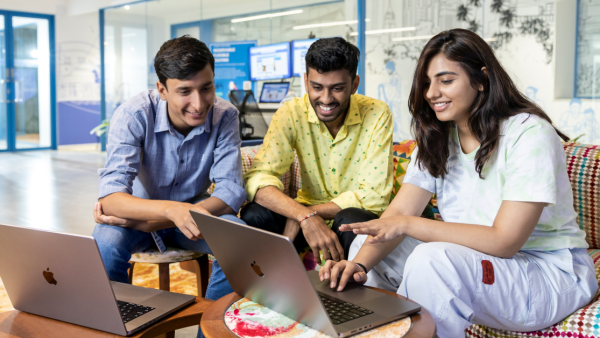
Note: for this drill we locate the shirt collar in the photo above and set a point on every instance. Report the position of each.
(162, 120)
(354, 115)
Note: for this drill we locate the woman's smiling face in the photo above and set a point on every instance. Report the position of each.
(448, 90)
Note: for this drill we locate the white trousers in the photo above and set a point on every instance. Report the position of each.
(460, 286)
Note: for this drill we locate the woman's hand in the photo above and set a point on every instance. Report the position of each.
(381, 230)
(100, 218)
(345, 269)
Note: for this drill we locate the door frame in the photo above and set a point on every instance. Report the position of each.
(10, 64)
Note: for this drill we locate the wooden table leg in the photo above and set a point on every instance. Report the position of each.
(202, 275)
(164, 283)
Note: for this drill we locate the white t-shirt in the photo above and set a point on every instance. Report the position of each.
(529, 166)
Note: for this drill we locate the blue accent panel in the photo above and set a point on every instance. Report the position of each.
(362, 13)
(76, 121)
(102, 78)
(206, 31)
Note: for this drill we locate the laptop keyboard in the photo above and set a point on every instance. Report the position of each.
(341, 312)
(130, 311)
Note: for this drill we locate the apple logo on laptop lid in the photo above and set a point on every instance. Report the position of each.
(49, 277)
(256, 269)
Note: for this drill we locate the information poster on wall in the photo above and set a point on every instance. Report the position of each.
(231, 65)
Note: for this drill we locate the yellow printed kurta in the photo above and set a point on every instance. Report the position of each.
(352, 170)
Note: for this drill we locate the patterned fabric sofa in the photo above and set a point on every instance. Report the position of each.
(583, 165)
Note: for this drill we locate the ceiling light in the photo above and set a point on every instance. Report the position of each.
(329, 24)
(408, 38)
(127, 7)
(490, 39)
(326, 24)
(390, 30)
(266, 16)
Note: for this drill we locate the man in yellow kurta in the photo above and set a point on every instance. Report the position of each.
(344, 145)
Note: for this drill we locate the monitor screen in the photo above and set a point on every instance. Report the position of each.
(274, 92)
(270, 62)
(299, 49)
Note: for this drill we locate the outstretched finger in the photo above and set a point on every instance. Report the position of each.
(350, 227)
(366, 231)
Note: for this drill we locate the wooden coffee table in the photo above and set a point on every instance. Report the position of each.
(21, 324)
(213, 326)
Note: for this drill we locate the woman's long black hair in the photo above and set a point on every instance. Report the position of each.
(499, 100)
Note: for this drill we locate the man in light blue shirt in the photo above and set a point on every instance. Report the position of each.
(165, 147)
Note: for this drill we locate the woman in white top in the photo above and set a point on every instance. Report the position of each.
(509, 254)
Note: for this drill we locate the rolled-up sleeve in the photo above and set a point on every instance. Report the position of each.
(123, 150)
(375, 173)
(226, 171)
(418, 175)
(275, 156)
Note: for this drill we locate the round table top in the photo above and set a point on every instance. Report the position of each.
(213, 324)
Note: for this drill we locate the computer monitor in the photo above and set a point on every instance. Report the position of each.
(273, 92)
(299, 49)
(270, 62)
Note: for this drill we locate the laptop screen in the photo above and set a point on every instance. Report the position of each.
(274, 92)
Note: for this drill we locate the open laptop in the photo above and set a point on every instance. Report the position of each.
(61, 276)
(266, 268)
(273, 92)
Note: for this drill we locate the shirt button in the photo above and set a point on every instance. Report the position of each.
(181, 161)
(176, 184)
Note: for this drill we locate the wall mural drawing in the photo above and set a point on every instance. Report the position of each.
(579, 123)
(507, 25)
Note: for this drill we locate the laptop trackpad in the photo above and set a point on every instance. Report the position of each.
(352, 293)
(135, 294)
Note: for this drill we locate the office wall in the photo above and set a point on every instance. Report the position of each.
(524, 42)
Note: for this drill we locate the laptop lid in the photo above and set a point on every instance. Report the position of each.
(273, 92)
(267, 271)
(59, 276)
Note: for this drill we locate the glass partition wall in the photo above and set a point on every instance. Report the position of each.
(132, 34)
(27, 91)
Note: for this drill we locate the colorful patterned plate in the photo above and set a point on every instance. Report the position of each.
(248, 319)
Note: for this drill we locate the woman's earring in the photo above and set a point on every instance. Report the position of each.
(480, 88)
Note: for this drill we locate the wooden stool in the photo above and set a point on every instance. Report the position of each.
(173, 255)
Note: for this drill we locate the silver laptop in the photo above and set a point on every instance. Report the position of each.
(266, 268)
(61, 276)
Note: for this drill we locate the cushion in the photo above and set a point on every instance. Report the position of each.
(171, 255)
(248, 154)
(583, 163)
(402, 156)
(583, 323)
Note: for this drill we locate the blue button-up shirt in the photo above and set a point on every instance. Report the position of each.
(148, 158)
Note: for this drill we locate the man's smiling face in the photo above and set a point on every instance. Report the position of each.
(330, 92)
(189, 101)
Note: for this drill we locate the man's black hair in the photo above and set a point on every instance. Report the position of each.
(329, 54)
(182, 58)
